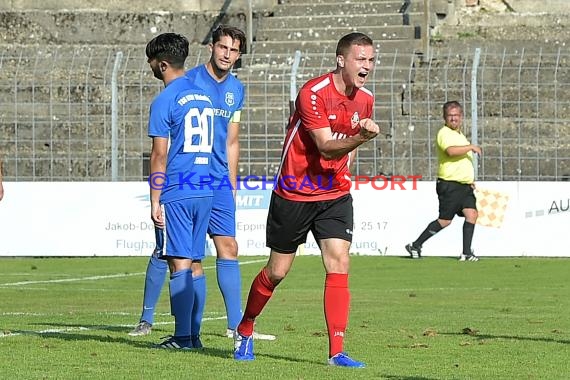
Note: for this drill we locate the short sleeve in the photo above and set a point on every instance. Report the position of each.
(446, 137)
(311, 109)
(236, 116)
(159, 120)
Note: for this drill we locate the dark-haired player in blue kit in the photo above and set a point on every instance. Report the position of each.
(181, 125)
(227, 95)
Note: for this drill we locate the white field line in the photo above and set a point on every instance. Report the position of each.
(95, 278)
(120, 313)
(5, 334)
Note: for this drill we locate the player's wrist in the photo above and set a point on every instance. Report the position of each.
(362, 138)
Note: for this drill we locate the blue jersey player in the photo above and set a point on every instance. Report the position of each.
(181, 125)
(227, 95)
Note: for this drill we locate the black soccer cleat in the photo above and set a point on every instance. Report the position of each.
(415, 252)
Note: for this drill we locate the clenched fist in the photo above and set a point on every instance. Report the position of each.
(368, 129)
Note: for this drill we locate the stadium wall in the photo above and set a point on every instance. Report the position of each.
(134, 6)
(113, 219)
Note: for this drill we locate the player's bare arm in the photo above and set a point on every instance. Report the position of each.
(233, 153)
(454, 151)
(352, 157)
(157, 165)
(368, 129)
(331, 148)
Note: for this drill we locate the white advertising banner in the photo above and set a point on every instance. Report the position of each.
(76, 219)
(113, 219)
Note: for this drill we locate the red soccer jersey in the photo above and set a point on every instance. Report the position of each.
(304, 175)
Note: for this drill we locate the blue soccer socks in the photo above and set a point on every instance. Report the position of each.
(229, 281)
(181, 301)
(199, 283)
(154, 280)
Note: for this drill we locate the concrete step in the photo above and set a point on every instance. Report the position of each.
(270, 76)
(279, 114)
(437, 6)
(334, 2)
(276, 47)
(324, 60)
(341, 20)
(384, 88)
(377, 33)
(281, 89)
(360, 7)
(117, 28)
(392, 102)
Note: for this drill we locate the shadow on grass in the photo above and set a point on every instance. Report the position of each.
(396, 377)
(481, 337)
(82, 326)
(64, 333)
(423, 258)
(67, 336)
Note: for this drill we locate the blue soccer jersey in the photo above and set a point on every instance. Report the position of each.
(227, 99)
(183, 113)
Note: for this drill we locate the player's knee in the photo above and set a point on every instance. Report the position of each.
(338, 264)
(197, 269)
(227, 249)
(276, 275)
(471, 215)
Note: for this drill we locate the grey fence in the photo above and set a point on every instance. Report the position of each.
(59, 111)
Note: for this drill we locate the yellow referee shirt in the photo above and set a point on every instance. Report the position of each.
(458, 168)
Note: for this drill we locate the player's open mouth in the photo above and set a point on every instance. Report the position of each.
(362, 75)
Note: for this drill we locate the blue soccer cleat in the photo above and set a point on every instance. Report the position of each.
(343, 360)
(243, 347)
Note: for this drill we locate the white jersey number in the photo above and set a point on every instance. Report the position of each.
(199, 130)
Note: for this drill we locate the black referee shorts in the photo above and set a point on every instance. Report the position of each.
(289, 222)
(453, 198)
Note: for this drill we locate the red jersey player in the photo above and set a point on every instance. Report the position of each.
(306, 174)
(331, 120)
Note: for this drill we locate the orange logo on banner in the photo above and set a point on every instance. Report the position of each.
(491, 206)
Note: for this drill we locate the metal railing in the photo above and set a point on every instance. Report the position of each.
(57, 107)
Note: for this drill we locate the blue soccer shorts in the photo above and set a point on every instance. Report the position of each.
(223, 215)
(185, 226)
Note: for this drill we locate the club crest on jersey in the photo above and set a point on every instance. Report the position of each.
(354, 120)
(230, 98)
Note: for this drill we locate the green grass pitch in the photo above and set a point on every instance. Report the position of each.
(435, 318)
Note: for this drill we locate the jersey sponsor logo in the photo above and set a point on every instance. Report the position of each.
(230, 98)
(201, 161)
(339, 136)
(223, 113)
(188, 98)
(354, 120)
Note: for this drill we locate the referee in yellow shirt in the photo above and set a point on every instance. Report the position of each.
(455, 183)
